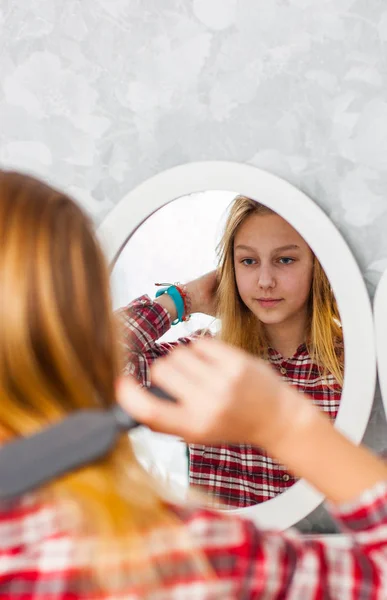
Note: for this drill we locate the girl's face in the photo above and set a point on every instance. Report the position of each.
(273, 269)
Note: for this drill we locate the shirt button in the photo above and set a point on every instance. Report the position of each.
(283, 370)
(285, 477)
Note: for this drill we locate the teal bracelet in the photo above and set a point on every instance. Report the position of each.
(174, 293)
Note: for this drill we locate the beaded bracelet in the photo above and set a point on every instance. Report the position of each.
(186, 299)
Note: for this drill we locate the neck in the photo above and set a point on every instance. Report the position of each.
(286, 337)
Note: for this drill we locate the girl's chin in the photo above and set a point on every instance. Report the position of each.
(269, 318)
(271, 321)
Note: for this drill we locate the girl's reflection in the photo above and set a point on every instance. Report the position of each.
(274, 300)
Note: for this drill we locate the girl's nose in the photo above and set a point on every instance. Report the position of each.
(266, 278)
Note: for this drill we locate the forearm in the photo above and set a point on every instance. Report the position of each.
(315, 450)
(166, 302)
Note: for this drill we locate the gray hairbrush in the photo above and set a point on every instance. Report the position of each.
(81, 438)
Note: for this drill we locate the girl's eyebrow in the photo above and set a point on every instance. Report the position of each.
(280, 249)
(243, 247)
(288, 247)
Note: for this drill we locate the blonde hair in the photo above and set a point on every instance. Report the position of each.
(242, 329)
(58, 354)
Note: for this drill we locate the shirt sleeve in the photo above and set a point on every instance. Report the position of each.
(142, 323)
(277, 565)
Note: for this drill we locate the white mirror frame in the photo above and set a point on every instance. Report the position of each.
(380, 322)
(336, 259)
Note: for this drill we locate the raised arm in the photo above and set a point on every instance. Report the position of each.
(225, 395)
(144, 321)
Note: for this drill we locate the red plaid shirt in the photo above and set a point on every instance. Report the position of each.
(37, 559)
(230, 475)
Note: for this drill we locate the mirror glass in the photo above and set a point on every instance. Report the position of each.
(251, 279)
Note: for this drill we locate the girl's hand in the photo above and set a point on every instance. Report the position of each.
(223, 394)
(203, 294)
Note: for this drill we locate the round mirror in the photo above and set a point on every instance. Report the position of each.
(277, 256)
(380, 320)
(270, 283)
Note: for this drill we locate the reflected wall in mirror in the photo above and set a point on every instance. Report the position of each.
(248, 277)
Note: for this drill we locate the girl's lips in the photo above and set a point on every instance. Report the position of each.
(268, 303)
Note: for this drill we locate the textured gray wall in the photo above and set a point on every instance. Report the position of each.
(98, 95)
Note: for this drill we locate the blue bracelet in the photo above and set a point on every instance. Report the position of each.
(174, 293)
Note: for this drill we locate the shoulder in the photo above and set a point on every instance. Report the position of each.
(27, 517)
(36, 553)
(214, 532)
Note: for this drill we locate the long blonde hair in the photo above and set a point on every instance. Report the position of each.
(242, 329)
(58, 354)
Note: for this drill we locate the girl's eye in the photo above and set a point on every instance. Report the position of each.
(248, 262)
(286, 260)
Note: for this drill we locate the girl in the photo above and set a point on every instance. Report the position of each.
(105, 531)
(273, 300)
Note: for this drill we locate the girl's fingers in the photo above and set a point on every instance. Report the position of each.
(145, 408)
(191, 364)
(215, 352)
(166, 373)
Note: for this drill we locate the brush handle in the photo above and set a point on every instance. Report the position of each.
(81, 438)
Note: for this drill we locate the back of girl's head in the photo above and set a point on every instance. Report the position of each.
(58, 353)
(57, 349)
(243, 330)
